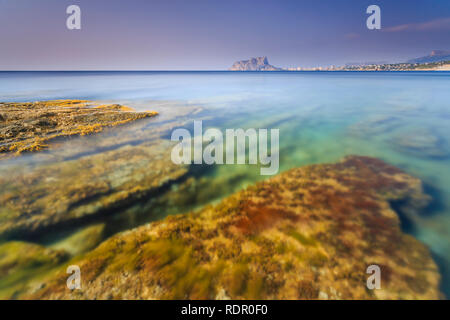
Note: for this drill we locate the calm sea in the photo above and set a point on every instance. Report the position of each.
(400, 117)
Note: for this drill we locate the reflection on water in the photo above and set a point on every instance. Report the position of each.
(401, 118)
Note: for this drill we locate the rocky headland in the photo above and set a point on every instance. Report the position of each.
(254, 64)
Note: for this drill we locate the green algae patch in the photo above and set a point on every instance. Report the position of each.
(304, 240)
(82, 240)
(308, 233)
(22, 261)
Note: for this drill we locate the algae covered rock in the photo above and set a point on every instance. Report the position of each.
(308, 233)
(29, 126)
(20, 261)
(64, 192)
(81, 240)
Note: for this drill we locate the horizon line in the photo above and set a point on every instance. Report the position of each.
(228, 71)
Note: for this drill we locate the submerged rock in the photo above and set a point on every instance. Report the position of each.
(309, 233)
(375, 125)
(421, 143)
(29, 126)
(22, 260)
(82, 240)
(64, 192)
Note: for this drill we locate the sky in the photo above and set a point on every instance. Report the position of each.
(212, 34)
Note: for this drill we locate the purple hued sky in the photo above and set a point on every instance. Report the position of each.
(212, 34)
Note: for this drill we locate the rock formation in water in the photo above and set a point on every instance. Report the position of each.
(28, 126)
(67, 191)
(421, 142)
(20, 261)
(418, 141)
(308, 233)
(254, 64)
(375, 125)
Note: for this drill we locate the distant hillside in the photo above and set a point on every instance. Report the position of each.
(254, 64)
(434, 56)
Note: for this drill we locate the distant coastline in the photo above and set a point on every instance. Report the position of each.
(437, 60)
(446, 69)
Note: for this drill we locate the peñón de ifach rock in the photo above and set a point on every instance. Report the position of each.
(254, 64)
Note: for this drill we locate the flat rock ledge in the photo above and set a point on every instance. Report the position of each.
(29, 126)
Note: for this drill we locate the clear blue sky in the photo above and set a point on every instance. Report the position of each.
(212, 34)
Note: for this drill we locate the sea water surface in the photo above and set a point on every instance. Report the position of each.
(400, 117)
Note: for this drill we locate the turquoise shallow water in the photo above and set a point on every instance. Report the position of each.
(402, 118)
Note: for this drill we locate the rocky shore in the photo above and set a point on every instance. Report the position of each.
(29, 126)
(308, 233)
(68, 191)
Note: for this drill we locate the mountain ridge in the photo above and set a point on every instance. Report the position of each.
(434, 56)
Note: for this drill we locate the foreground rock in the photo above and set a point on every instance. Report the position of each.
(67, 191)
(29, 126)
(81, 241)
(309, 233)
(20, 261)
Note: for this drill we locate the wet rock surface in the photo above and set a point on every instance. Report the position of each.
(82, 240)
(29, 126)
(308, 233)
(64, 192)
(20, 261)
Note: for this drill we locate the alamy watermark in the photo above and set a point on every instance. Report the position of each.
(374, 20)
(74, 280)
(374, 280)
(239, 147)
(73, 21)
